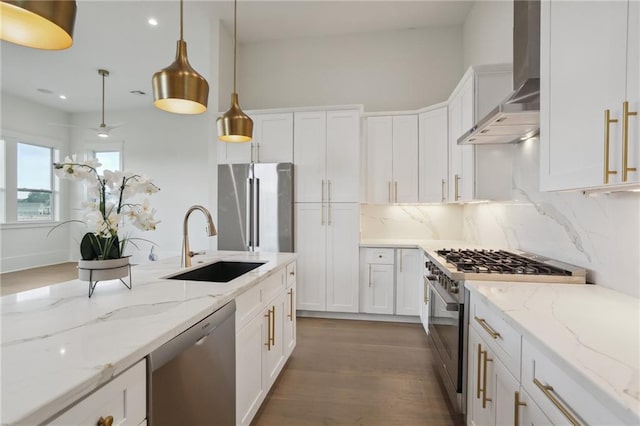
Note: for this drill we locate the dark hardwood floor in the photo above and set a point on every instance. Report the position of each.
(358, 373)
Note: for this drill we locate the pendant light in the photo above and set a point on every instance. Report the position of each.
(39, 24)
(234, 125)
(179, 88)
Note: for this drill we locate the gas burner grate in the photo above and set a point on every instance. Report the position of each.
(497, 262)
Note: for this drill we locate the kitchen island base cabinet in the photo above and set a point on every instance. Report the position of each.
(123, 398)
(264, 342)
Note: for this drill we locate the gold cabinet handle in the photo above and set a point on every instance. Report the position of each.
(395, 192)
(516, 408)
(625, 140)
(108, 421)
(484, 379)
(547, 391)
(478, 387)
(426, 291)
(269, 339)
(494, 334)
(607, 130)
(292, 273)
(442, 190)
(290, 316)
(457, 187)
(273, 326)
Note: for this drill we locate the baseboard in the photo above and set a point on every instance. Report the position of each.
(360, 317)
(33, 260)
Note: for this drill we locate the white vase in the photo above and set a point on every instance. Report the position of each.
(102, 270)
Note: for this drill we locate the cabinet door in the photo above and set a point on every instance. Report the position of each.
(466, 185)
(424, 304)
(633, 88)
(405, 158)
(290, 321)
(343, 156)
(378, 293)
(582, 73)
(408, 281)
(273, 353)
(432, 149)
(343, 241)
(310, 224)
(504, 387)
(477, 376)
(455, 153)
(250, 385)
(309, 156)
(273, 138)
(235, 153)
(379, 160)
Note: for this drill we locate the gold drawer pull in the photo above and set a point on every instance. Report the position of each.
(625, 140)
(108, 421)
(290, 316)
(484, 379)
(607, 130)
(487, 328)
(547, 390)
(516, 408)
(478, 387)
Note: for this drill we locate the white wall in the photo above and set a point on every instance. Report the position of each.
(600, 233)
(487, 33)
(27, 245)
(431, 222)
(385, 71)
(174, 150)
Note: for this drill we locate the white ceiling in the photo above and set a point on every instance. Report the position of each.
(115, 35)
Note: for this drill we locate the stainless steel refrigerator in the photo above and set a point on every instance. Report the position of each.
(255, 207)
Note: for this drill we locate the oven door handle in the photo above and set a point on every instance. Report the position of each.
(450, 303)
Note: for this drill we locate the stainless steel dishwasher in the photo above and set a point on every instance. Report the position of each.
(192, 378)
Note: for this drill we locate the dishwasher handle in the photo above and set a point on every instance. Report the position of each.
(190, 337)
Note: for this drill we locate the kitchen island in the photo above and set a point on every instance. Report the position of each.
(58, 345)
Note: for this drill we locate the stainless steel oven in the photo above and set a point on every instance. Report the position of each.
(447, 319)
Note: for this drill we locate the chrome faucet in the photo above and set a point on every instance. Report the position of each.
(187, 254)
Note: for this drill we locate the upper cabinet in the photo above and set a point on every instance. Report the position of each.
(590, 95)
(327, 156)
(272, 142)
(432, 150)
(392, 159)
(478, 172)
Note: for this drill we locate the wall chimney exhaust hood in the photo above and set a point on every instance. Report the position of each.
(517, 118)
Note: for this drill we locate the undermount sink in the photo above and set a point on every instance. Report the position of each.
(220, 272)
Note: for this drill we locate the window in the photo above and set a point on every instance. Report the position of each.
(110, 160)
(34, 183)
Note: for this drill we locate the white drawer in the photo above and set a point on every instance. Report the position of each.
(291, 274)
(124, 398)
(503, 339)
(379, 255)
(248, 304)
(273, 285)
(562, 391)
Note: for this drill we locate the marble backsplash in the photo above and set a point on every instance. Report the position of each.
(425, 222)
(599, 232)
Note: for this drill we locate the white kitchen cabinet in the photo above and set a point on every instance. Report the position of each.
(289, 334)
(265, 338)
(124, 398)
(432, 149)
(409, 276)
(424, 304)
(392, 159)
(589, 67)
(272, 141)
(377, 280)
(327, 156)
(478, 172)
(327, 241)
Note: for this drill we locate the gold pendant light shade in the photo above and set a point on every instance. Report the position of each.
(235, 125)
(44, 24)
(179, 88)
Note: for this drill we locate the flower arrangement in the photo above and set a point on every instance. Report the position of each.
(109, 204)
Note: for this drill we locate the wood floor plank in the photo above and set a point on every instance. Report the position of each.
(358, 373)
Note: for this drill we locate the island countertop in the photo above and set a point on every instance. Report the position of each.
(58, 345)
(591, 332)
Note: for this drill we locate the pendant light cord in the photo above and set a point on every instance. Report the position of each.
(181, 23)
(103, 125)
(235, 61)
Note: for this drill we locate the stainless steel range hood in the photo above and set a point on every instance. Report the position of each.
(517, 118)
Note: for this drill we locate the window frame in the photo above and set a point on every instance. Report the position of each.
(52, 185)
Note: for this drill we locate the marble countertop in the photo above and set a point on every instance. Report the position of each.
(592, 333)
(58, 345)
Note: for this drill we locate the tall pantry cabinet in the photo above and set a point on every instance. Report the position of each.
(326, 154)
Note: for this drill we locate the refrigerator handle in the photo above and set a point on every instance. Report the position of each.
(249, 213)
(257, 195)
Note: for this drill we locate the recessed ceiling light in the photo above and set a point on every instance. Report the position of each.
(153, 22)
(62, 97)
